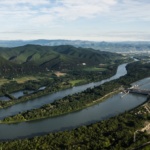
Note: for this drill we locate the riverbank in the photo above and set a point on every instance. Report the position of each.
(76, 102)
(113, 133)
(87, 105)
(55, 115)
(48, 91)
(28, 97)
(110, 108)
(55, 106)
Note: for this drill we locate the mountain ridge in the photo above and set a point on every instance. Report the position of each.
(41, 58)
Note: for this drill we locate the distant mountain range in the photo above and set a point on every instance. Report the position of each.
(103, 46)
(33, 58)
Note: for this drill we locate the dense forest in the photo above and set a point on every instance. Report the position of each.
(30, 59)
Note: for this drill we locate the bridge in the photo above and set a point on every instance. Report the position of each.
(136, 89)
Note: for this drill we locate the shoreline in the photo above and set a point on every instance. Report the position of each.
(25, 97)
(95, 102)
(104, 98)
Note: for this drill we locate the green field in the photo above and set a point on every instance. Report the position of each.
(75, 82)
(19, 79)
(3, 81)
(94, 69)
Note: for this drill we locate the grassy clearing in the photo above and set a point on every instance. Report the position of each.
(58, 74)
(26, 78)
(3, 81)
(74, 82)
(94, 69)
(19, 79)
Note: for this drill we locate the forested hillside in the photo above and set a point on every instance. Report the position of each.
(36, 58)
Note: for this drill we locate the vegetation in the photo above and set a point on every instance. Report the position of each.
(77, 82)
(19, 66)
(66, 105)
(30, 59)
(83, 99)
(53, 83)
(115, 133)
(95, 69)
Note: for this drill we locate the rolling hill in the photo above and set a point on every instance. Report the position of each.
(35, 58)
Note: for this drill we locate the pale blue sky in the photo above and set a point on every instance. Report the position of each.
(95, 20)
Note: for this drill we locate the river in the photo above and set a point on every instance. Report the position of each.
(109, 108)
(38, 102)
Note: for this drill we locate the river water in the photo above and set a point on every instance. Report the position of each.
(38, 102)
(109, 108)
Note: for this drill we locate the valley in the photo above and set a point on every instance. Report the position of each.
(61, 83)
(74, 75)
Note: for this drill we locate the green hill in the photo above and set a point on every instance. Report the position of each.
(39, 58)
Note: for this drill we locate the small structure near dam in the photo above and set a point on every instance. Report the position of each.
(136, 89)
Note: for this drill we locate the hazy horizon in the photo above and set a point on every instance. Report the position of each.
(76, 40)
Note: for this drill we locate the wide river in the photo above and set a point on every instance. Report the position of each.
(109, 108)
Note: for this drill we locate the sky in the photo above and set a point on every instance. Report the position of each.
(92, 20)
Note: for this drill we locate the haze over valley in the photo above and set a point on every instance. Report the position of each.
(121, 47)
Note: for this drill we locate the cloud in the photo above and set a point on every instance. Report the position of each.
(17, 2)
(62, 9)
(119, 10)
(131, 10)
(56, 17)
(75, 9)
(22, 14)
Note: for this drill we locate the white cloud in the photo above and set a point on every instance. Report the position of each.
(119, 10)
(75, 9)
(22, 14)
(64, 9)
(41, 16)
(131, 10)
(16, 2)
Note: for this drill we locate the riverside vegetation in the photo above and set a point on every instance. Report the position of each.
(114, 133)
(53, 84)
(84, 99)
